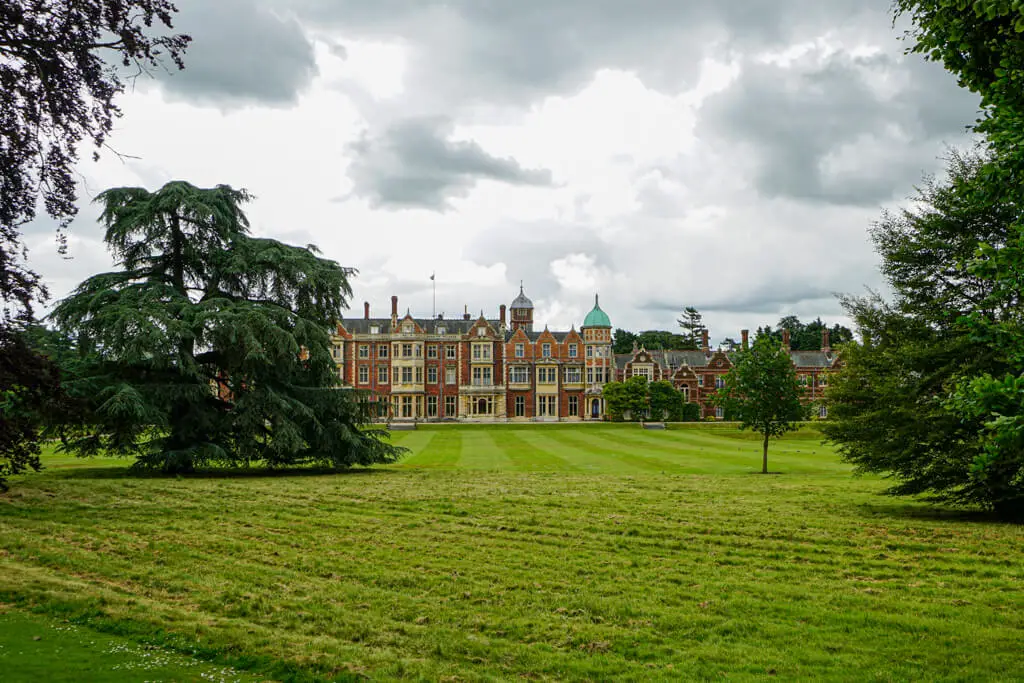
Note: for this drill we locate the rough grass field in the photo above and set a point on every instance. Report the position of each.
(538, 552)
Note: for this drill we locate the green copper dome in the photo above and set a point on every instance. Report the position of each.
(597, 317)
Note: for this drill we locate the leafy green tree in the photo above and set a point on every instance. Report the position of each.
(622, 341)
(690, 412)
(626, 397)
(762, 392)
(654, 340)
(982, 43)
(891, 409)
(210, 346)
(805, 337)
(666, 403)
(29, 385)
(57, 90)
(692, 323)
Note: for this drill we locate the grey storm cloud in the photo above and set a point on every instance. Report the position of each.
(242, 51)
(412, 163)
(472, 51)
(466, 52)
(798, 118)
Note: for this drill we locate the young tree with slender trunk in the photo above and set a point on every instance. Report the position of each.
(762, 392)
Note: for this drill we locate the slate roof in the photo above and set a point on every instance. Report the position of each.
(812, 359)
(522, 301)
(362, 325)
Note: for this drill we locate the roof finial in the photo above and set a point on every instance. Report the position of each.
(595, 300)
(520, 286)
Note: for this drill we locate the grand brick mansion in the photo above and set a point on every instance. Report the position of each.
(503, 369)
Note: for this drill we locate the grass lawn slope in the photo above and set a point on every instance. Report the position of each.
(539, 552)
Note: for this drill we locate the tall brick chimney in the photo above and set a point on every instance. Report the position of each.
(705, 345)
(394, 306)
(745, 334)
(366, 310)
(501, 315)
(785, 339)
(825, 345)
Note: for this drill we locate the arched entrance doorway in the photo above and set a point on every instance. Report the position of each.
(595, 408)
(481, 407)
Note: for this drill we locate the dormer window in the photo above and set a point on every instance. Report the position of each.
(481, 331)
(441, 330)
(408, 328)
(374, 329)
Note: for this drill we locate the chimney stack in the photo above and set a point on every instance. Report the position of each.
(501, 315)
(825, 345)
(465, 312)
(785, 339)
(366, 310)
(746, 339)
(394, 307)
(706, 346)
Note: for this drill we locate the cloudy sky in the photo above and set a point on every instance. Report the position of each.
(724, 155)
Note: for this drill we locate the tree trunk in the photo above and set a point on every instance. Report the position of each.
(764, 458)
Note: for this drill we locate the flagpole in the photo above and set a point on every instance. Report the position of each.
(433, 305)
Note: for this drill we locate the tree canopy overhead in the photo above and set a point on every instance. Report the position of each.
(210, 346)
(57, 92)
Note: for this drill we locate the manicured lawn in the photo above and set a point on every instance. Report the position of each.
(545, 552)
(33, 648)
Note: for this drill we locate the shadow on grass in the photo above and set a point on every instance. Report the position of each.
(925, 511)
(127, 472)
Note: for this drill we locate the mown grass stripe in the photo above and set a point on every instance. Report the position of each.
(527, 455)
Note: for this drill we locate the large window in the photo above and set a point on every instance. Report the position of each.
(520, 350)
(572, 351)
(382, 375)
(336, 351)
(451, 406)
(432, 375)
(545, 350)
(432, 351)
(572, 376)
(574, 406)
(406, 375)
(431, 406)
(719, 412)
(406, 350)
(449, 351)
(364, 374)
(364, 350)
(482, 377)
(481, 351)
(419, 375)
(520, 406)
(382, 351)
(449, 375)
(547, 406)
(519, 375)
(719, 383)
(547, 375)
